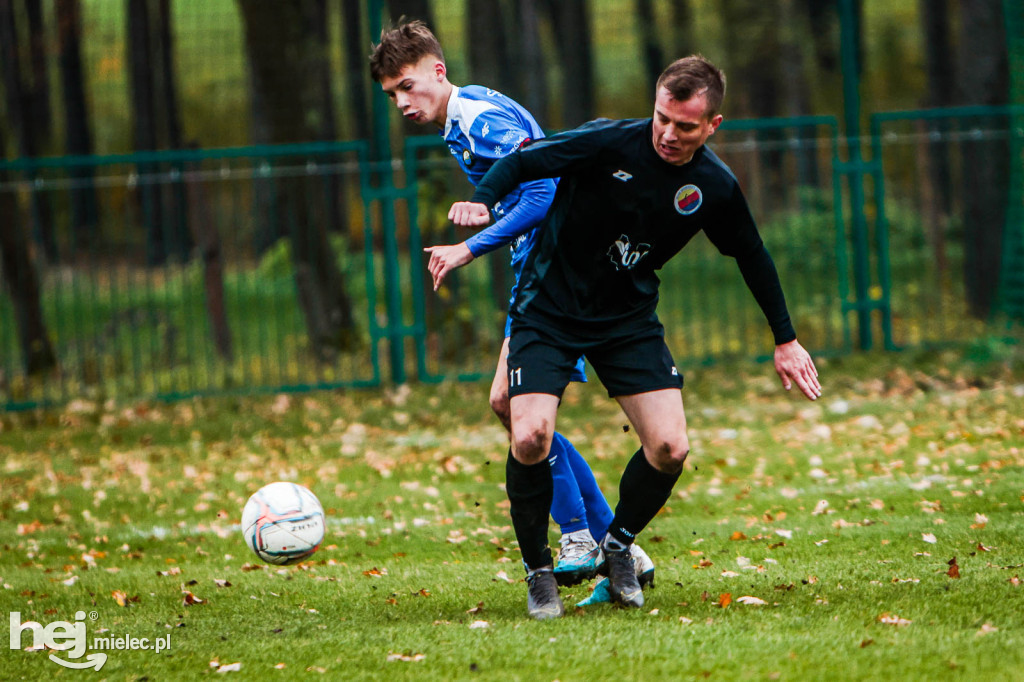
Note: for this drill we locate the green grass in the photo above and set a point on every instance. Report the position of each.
(107, 498)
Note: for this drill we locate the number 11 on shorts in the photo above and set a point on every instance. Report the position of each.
(515, 377)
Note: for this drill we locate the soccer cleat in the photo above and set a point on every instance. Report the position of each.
(578, 559)
(622, 581)
(644, 568)
(542, 601)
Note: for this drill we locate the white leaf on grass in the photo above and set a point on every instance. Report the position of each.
(411, 658)
(788, 534)
(502, 575)
(230, 667)
(929, 538)
(752, 601)
(820, 507)
(729, 574)
(479, 625)
(892, 619)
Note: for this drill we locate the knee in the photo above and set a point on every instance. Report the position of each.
(530, 443)
(500, 407)
(669, 455)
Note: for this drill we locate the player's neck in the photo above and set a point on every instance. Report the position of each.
(442, 113)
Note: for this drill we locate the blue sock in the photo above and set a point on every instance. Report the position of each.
(599, 513)
(567, 507)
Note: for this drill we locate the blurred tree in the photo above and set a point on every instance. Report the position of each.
(570, 21)
(77, 134)
(156, 125)
(487, 28)
(650, 47)
(755, 84)
(356, 47)
(984, 79)
(20, 280)
(681, 27)
(530, 57)
(796, 90)
(412, 9)
(283, 52)
(23, 105)
(42, 112)
(940, 75)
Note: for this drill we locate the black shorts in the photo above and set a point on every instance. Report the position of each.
(634, 360)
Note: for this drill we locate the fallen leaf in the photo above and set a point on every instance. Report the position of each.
(788, 534)
(684, 620)
(70, 581)
(820, 508)
(654, 612)
(752, 601)
(724, 599)
(737, 535)
(1015, 581)
(983, 548)
(230, 667)
(375, 572)
(954, 569)
(173, 570)
(479, 625)
(476, 609)
(729, 574)
(406, 657)
(221, 583)
(188, 599)
(866, 642)
(929, 538)
(891, 619)
(502, 575)
(987, 628)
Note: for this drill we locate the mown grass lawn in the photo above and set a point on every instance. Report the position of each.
(846, 517)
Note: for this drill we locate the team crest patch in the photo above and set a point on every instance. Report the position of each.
(467, 158)
(688, 199)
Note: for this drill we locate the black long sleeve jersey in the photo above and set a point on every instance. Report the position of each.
(620, 213)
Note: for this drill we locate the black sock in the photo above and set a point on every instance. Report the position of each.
(530, 490)
(643, 491)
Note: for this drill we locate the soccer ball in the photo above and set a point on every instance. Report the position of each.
(283, 523)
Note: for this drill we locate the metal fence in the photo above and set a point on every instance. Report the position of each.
(171, 274)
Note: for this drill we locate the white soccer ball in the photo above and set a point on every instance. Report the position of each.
(283, 523)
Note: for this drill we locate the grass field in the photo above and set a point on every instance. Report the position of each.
(845, 516)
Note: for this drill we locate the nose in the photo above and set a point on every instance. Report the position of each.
(402, 100)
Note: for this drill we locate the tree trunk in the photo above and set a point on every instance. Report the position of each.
(941, 88)
(143, 77)
(207, 238)
(986, 81)
(571, 22)
(78, 138)
(412, 9)
(489, 59)
(796, 91)
(283, 58)
(533, 72)
(355, 47)
(650, 49)
(42, 112)
(166, 103)
(681, 19)
(21, 108)
(19, 276)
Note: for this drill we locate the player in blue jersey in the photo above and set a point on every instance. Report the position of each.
(480, 126)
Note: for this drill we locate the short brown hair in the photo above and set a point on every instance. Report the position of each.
(401, 45)
(692, 76)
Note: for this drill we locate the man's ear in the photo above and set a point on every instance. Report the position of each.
(440, 70)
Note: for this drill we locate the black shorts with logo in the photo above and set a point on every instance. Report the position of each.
(630, 361)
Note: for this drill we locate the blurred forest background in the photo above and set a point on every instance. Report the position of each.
(210, 195)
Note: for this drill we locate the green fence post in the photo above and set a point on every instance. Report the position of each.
(386, 193)
(849, 35)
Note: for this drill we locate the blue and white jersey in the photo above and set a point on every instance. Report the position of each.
(483, 126)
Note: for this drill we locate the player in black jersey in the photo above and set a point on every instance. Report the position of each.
(632, 194)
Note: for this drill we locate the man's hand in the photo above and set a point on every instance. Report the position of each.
(444, 259)
(794, 365)
(468, 214)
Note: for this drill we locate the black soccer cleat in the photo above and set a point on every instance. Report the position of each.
(622, 581)
(542, 601)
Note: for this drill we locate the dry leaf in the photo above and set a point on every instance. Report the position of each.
(737, 535)
(479, 625)
(230, 667)
(476, 609)
(1015, 581)
(724, 599)
(954, 569)
(406, 657)
(892, 619)
(987, 628)
(752, 601)
(929, 538)
(820, 508)
(188, 599)
(502, 575)
(375, 572)
(729, 574)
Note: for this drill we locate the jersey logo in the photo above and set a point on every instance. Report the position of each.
(688, 199)
(625, 256)
(621, 175)
(467, 158)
